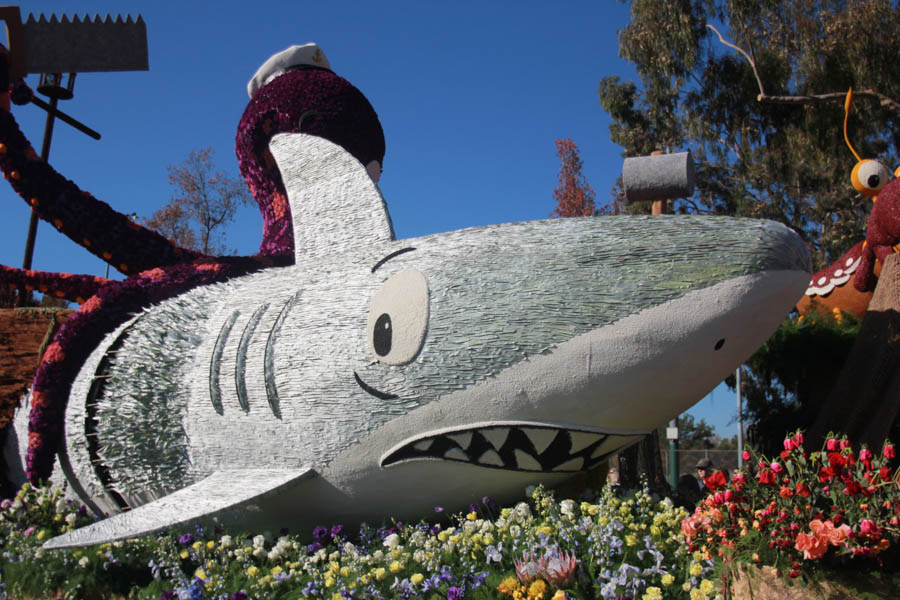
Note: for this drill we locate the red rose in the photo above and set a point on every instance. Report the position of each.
(831, 445)
(785, 492)
(766, 477)
(745, 456)
(715, 481)
(888, 451)
(803, 490)
(852, 488)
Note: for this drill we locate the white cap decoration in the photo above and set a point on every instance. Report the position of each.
(307, 54)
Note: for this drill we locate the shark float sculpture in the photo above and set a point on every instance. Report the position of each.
(376, 376)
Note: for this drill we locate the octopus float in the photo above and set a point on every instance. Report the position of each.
(294, 91)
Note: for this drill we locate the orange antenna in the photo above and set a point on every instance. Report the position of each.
(847, 102)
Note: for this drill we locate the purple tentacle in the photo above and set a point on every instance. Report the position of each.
(89, 222)
(62, 285)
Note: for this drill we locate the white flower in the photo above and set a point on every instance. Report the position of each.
(567, 507)
(468, 527)
(515, 530)
(378, 555)
(259, 541)
(259, 552)
(522, 510)
(226, 541)
(275, 554)
(350, 549)
(60, 506)
(392, 541)
(70, 518)
(83, 562)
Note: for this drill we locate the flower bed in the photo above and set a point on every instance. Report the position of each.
(614, 547)
(806, 516)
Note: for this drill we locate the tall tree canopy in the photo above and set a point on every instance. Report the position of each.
(755, 89)
(573, 194)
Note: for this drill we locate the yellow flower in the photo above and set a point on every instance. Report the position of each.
(395, 567)
(184, 554)
(252, 570)
(472, 516)
(336, 596)
(545, 529)
(559, 595)
(196, 545)
(200, 574)
(697, 594)
(329, 581)
(698, 555)
(653, 593)
(443, 535)
(345, 571)
(695, 570)
(364, 579)
(417, 578)
(668, 579)
(504, 513)
(210, 545)
(380, 573)
(275, 570)
(508, 586)
(537, 589)
(41, 535)
(707, 587)
(631, 540)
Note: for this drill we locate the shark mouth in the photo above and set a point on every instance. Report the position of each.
(530, 447)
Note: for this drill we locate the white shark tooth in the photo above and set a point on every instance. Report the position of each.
(496, 436)
(540, 438)
(526, 461)
(463, 438)
(456, 454)
(424, 445)
(581, 440)
(599, 451)
(490, 457)
(576, 464)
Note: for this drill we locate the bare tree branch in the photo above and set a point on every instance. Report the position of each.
(885, 101)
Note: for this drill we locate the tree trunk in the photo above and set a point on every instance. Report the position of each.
(865, 401)
(645, 459)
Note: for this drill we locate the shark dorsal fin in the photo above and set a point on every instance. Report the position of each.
(335, 205)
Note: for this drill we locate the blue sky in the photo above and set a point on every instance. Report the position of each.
(471, 96)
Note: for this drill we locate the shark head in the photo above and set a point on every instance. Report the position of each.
(379, 376)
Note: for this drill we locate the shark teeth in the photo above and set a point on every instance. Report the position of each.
(521, 447)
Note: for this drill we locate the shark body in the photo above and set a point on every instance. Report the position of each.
(379, 376)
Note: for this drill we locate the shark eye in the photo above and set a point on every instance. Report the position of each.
(398, 318)
(869, 176)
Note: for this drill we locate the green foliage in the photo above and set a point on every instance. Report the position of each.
(786, 162)
(788, 379)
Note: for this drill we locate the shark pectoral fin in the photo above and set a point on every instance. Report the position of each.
(207, 500)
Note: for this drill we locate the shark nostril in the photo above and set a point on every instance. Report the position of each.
(719, 344)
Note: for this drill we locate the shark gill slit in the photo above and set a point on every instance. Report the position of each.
(269, 359)
(240, 368)
(215, 363)
(98, 384)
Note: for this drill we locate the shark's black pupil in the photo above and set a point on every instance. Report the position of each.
(874, 180)
(381, 337)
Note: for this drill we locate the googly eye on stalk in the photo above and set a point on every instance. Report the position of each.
(868, 176)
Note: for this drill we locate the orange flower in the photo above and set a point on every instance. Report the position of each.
(785, 492)
(812, 546)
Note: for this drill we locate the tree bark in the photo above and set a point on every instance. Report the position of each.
(865, 401)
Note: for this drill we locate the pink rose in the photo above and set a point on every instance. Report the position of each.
(776, 467)
(831, 445)
(745, 455)
(867, 526)
(798, 437)
(888, 451)
(865, 454)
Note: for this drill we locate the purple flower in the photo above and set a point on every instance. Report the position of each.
(186, 539)
(240, 595)
(314, 547)
(438, 509)
(28, 531)
(337, 531)
(168, 595)
(320, 534)
(454, 593)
